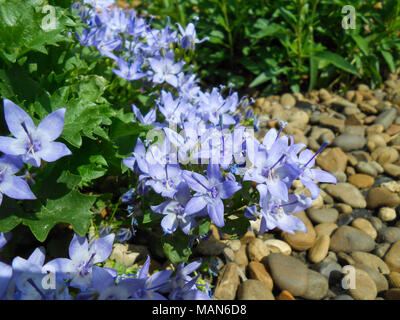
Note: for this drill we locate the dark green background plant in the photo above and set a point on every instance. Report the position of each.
(275, 46)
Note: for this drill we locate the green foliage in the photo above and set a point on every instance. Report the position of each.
(273, 45)
(45, 70)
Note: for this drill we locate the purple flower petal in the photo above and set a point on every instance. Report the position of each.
(102, 248)
(53, 151)
(195, 204)
(16, 188)
(323, 176)
(216, 212)
(52, 126)
(15, 116)
(169, 223)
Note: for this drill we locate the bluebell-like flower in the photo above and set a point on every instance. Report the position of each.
(303, 168)
(129, 71)
(189, 36)
(83, 256)
(209, 193)
(144, 287)
(174, 211)
(275, 212)
(165, 69)
(32, 143)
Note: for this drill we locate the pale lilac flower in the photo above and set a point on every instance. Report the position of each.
(32, 143)
(129, 71)
(209, 193)
(174, 212)
(275, 212)
(165, 69)
(83, 256)
(189, 36)
(144, 287)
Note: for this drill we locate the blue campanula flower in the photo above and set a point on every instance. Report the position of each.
(189, 36)
(174, 211)
(210, 191)
(165, 69)
(129, 71)
(32, 143)
(144, 287)
(83, 256)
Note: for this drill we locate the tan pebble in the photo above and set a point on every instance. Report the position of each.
(392, 186)
(365, 287)
(228, 282)
(257, 271)
(318, 202)
(248, 237)
(301, 240)
(325, 228)
(365, 226)
(278, 246)
(285, 295)
(241, 257)
(344, 208)
(392, 257)
(387, 214)
(361, 180)
(257, 250)
(394, 279)
(320, 249)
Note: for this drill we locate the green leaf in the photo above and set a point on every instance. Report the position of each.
(176, 248)
(361, 43)
(338, 62)
(236, 227)
(73, 208)
(389, 60)
(313, 72)
(260, 79)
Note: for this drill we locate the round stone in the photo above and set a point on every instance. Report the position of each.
(323, 215)
(349, 239)
(365, 288)
(254, 290)
(394, 279)
(392, 257)
(325, 228)
(258, 272)
(320, 249)
(382, 197)
(390, 234)
(370, 260)
(365, 226)
(387, 214)
(228, 282)
(278, 246)
(288, 273)
(317, 286)
(361, 180)
(257, 250)
(347, 193)
(301, 240)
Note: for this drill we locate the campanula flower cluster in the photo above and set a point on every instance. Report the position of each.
(204, 150)
(81, 277)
